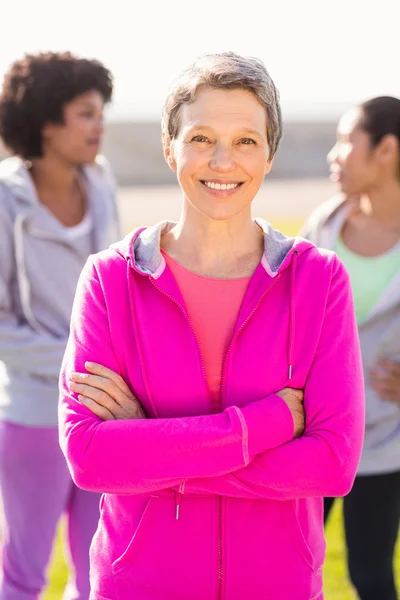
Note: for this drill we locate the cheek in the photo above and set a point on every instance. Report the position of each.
(189, 160)
(70, 139)
(79, 127)
(355, 163)
(255, 165)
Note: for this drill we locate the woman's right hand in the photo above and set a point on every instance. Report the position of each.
(294, 400)
(105, 393)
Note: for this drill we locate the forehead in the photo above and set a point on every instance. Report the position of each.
(90, 98)
(220, 108)
(349, 121)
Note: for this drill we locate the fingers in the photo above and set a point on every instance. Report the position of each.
(384, 377)
(386, 390)
(102, 371)
(390, 366)
(385, 380)
(299, 394)
(103, 399)
(102, 384)
(104, 406)
(97, 409)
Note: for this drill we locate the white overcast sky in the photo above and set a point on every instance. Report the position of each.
(323, 55)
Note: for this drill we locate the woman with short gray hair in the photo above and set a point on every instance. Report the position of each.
(211, 388)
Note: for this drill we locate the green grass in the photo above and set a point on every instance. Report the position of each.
(336, 584)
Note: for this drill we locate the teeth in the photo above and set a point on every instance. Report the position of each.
(221, 186)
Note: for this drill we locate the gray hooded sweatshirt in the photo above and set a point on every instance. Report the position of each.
(39, 269)
(380, 339)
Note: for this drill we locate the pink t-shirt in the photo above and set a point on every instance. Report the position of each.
(213, 306)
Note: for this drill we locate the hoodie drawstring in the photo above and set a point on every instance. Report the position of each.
(22, 276)
(292, 314)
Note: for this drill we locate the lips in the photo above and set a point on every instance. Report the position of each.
(221, 185)
(336, 175)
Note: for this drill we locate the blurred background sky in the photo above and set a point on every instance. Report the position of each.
(323, 56)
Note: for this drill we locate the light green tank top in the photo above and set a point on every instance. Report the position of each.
(369, 276)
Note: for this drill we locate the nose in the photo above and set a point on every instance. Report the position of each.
(222, 159)
(99, 125)
(332, 154)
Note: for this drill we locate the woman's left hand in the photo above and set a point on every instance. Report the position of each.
(385, 380)
(105, 393)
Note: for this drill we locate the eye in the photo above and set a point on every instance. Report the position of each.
(200, 138)
(89, 114)
(248, 141)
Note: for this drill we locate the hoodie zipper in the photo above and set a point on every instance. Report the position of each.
(220, 498)
(179, 494)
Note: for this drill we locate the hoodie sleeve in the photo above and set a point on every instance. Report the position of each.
(21, 348)
(150, 454)
(323, 462)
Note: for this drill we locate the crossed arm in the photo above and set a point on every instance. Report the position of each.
(112, 447)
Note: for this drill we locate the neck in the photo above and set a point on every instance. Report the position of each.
(383, 205)
(210, 244)
(53, 178)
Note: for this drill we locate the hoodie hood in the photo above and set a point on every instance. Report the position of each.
(15, 177)
(142, 248)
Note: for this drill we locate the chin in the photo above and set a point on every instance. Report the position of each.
(350, 191)
(90, 159)
(86, 158)
(221, 215)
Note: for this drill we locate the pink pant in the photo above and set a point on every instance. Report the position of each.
(36, 489)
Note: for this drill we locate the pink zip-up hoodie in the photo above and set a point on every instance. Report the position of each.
(202, 506)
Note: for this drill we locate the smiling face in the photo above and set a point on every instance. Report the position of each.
(221, 152)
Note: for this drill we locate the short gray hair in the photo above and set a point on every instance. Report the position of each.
(228, 71)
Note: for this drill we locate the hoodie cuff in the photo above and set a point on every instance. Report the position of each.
(269, 424)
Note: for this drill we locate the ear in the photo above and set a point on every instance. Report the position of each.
(47, 131)
(268, 165)
(388, 149)
(169, 154)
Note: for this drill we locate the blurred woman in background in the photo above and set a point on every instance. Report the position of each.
(57, 206)
(362, 225)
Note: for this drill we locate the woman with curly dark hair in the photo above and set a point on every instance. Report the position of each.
(57, 206)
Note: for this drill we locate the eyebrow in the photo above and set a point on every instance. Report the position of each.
(208, 127)
(86, 104)
(251, 131)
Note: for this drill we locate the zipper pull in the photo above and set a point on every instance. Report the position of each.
(178, 498)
